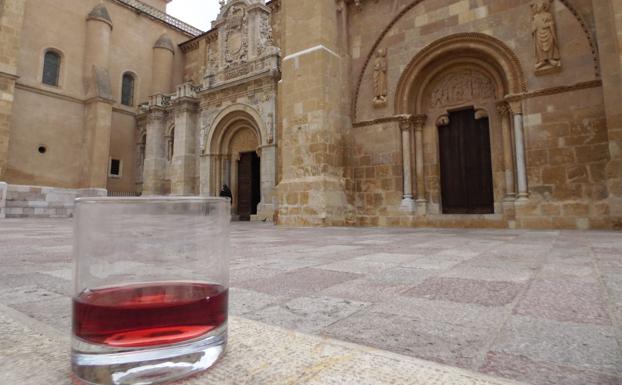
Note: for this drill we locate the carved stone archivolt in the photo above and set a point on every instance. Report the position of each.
(545, 37)
(461, 86)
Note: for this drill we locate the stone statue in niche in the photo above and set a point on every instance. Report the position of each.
(545, 37)
(380, 78)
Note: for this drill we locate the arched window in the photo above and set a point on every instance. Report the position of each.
(127, 89)
(51, 68)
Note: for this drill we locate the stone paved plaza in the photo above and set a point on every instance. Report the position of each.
(542, 307)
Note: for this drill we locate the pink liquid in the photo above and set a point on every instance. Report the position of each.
(148, 315)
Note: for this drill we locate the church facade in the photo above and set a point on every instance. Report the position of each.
(448, 113)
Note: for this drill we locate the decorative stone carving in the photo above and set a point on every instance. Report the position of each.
(503, 109)
(481, 113)
(265, 35)
(380, 78)
(544, 32)
(212, 59)
(461, 87)
(442, 120)
(236, 36)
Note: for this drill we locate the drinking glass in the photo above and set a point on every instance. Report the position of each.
(151, 279)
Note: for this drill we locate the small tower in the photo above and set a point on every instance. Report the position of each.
(163, 56)
(99, 99)
(97, 54)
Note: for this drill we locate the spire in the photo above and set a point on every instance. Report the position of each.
(100, 12)
(165, 42)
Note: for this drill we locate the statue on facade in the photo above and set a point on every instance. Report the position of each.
(545, 36)
(380, 78)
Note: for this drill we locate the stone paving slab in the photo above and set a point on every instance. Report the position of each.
(538, 306)
(257, 354)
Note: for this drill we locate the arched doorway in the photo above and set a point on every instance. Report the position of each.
(459, 90)
(233, 150)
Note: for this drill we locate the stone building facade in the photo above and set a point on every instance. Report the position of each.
(343, 112)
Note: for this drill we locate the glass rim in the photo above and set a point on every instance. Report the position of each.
(151, 199)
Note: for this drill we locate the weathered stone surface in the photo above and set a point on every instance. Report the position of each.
(563, 275)
(257, 354)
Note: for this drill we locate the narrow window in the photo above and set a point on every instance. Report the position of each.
(127, 90)
(115, 168)
(51, 68)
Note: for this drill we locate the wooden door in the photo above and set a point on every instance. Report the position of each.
(466, 166)
(248, 185)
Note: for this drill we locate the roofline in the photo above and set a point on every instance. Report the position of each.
(160, 17)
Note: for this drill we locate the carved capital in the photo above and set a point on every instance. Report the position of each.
(516, 107)
(503, 109)
(406, 122)
(419, 121)
(481, 113)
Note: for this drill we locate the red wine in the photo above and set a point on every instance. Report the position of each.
(150, 314)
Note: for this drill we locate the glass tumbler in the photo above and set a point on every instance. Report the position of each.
(151, 279)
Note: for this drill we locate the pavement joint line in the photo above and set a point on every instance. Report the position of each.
(616, 323)
(34, 324)
(509, 315)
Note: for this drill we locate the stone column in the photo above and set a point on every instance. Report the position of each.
(312, 190)
(183, 178)
(519, 140)
(608, 22)
(99, 99)
(11, 21)
(265, 210)
(419, 124)
(155, 158)
(406, 126)
(205, 175)
(503, 109)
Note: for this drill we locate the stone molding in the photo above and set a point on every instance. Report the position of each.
(567, 3)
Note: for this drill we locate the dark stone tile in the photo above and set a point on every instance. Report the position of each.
(564, 300)
(580, 346)
(307, 314)
(441, 343)
(486, 293)
(299, 282)
(521, 368)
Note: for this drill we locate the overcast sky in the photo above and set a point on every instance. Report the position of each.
(198, 13)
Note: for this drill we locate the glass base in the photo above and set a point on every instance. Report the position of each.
(146, 366)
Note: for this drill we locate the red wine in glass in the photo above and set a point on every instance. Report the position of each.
(149, 314)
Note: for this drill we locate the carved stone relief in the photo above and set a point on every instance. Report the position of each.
(461, 87)
(380, 78)
(544, 31)
(265, 35)
(236, 37)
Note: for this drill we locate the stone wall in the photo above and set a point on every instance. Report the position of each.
(43, 202)
(11, 20)
(374, 168)
(566, 142)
